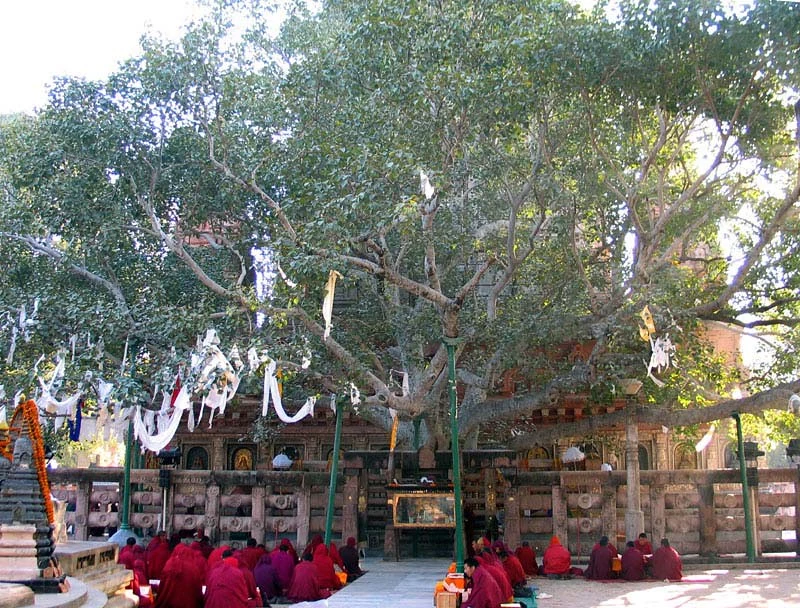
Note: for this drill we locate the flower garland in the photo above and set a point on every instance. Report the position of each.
(31, 414)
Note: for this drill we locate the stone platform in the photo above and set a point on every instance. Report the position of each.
(95, 564)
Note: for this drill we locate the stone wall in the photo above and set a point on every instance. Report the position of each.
(699, 511)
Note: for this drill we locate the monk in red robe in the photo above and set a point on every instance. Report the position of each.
(600, 561)
(130, 553)
(632, 563)
(527, 557)
(305, 583)
(500, 577)
(667, 563)
(227, 587)
(181, 580)
(644, 545)
(215, 556)
(325, 570)
(140, 585)
(482, 587)
(156, 555)
(251, 553)
(513, 568)
(556, 560)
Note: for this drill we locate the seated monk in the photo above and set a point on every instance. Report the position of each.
(482, 589)
(632, 563)
(556, 561)
(527, 557)
(305, 583)
(349, 555)
(666, 563)
(600, 561)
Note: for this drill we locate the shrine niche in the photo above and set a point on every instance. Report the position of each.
(644, 458)
(197, 459)
(241, 458)
(423, 510)
(685, 456)
(538, 458)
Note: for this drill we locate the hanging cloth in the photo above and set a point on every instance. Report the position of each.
(327, 303)
(75, 426)
(272, 392)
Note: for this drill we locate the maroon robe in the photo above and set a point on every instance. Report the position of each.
(156, 556)
(514, 570)
(527, 557)
(667, 564)
(227, 587)
(600, 563)
(181, 581)
(325, 570)
(501, 578)
(305, 584)
(632, 564)
(484, 593)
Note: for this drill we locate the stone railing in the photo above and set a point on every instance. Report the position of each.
(699, 511)
(226, 505)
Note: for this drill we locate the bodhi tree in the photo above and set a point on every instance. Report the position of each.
(524, 178)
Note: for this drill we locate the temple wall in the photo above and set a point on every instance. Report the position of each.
(700, 511)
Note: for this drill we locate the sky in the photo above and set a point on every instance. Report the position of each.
(42, 39)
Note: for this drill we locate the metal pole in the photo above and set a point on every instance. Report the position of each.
(337, 439)
(126, 479)
(450, 343)
(748, 515)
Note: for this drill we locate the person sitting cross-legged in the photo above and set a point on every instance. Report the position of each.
(556, 561)
(667, 563)
(632, 563)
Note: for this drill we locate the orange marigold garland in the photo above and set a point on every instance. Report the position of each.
(31, 413)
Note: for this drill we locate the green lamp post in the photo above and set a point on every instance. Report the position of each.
(748, 515)
(337, 440)
(450, 344)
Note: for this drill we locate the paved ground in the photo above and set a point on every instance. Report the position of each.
(410, 584)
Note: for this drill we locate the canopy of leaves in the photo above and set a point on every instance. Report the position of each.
(584, 166)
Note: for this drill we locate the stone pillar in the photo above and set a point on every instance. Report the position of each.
(303, 515)
(212, 512)
(661, 457)
(708, 520)
(657, 514)
(634, 517)
(257, 514)
(609, 513)
(218, 456)
(560, 517)
(82, 510)
(511, 531)
(350, 507)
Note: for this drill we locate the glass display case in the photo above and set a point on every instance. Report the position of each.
(424, 511)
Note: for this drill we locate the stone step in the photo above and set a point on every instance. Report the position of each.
(109, 582)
